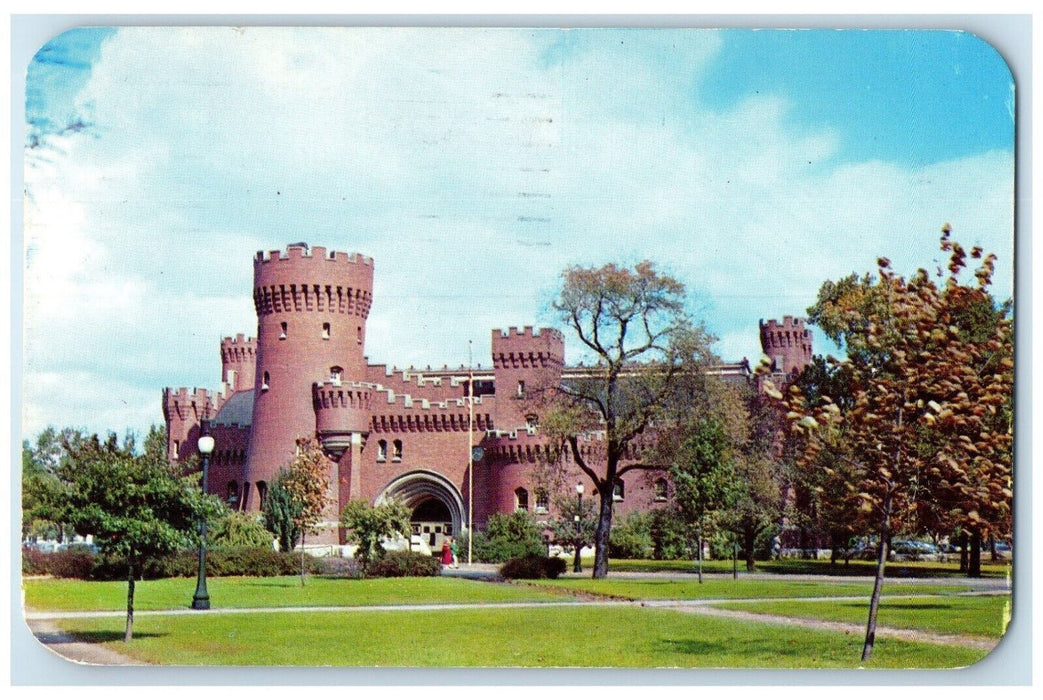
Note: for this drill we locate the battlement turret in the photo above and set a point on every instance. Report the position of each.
(527, 348)
(312, 306)
(788, 344)
(238, 362)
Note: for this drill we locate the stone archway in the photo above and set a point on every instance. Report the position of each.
(436, 504)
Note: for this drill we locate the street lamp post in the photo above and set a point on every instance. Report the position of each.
(201, 599)
(577, 567)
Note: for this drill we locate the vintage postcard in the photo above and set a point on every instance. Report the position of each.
(502, 348)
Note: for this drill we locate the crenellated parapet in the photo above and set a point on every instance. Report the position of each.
(238, 362)
(526, 347)
(403, 413)
(787, 344)
(188, 404)
(310, 279)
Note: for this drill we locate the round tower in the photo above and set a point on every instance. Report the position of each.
(311, 328)
(238, 362)
(787, 344)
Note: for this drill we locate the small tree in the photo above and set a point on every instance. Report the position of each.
(135, 506)
(307, 483)
(704, 479)
(281, 514)
(368, 525)
(508, 536)
(929, 420)
(574, 525)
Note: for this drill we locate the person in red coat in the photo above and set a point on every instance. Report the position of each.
(447, 554)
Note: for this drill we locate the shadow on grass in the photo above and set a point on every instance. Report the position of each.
(92, 636)
(775, 648)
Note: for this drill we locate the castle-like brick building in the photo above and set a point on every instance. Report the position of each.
(390, 433)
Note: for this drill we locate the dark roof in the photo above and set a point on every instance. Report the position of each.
(238, 410)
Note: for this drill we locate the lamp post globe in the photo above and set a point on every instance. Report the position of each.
(201, 599)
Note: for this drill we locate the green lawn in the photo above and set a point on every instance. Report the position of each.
(548, 637)
(982, 616)
(809, 566)
(282, 591)
(667, 589)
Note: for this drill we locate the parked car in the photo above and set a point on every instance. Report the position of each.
(913, 550)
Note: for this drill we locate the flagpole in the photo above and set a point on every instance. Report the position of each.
(470, 453)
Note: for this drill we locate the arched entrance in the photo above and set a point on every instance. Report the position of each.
(437, 507)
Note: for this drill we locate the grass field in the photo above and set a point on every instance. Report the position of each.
(810, 567)
(666, 589)
(622, 637)
(275, 592)
(982, 616)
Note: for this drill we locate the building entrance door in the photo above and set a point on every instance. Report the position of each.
(432, 522)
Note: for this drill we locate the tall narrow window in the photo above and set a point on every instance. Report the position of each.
(325, 331)
(659, 489)
(396, 456)
(382, 450)
(618, 491)
(177, 449)
(282, 334)
(521, 389)
(542, 501)
(521, 499)
(335, 374)
(359, 334)
(262, 494)
(265, 382)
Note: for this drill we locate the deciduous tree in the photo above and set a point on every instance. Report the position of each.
(643, 343)
(367, 526)
(307, 484)
(135, 506)
(928, 418)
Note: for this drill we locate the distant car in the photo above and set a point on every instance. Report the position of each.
(913, 550)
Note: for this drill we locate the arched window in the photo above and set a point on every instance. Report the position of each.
(618, 491)
(265, 382)
(262, 494)
(335, 372)
(382, 450)
(659, 489)
(232, 495)
(325, 331)
(396, 456)
(521, 499)
(542, 501)
(282, 333)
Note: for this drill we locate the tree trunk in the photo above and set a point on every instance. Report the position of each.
(963, 552)
(577, 565)
(302, 557)
(129, 633)
(699, 554)
(878, 582)
(974, 565)
(749, 540)
(604, 532)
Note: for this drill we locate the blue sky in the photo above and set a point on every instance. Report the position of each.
(474, 165)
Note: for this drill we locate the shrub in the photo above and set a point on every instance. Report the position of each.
(395, 564)
(533, 566)
(630, 538)
(34, 562)
(72, 562)
(240, 529)
(338, 566)
(508, 537)
(669, 534)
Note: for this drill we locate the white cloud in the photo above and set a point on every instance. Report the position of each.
(474, 165)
